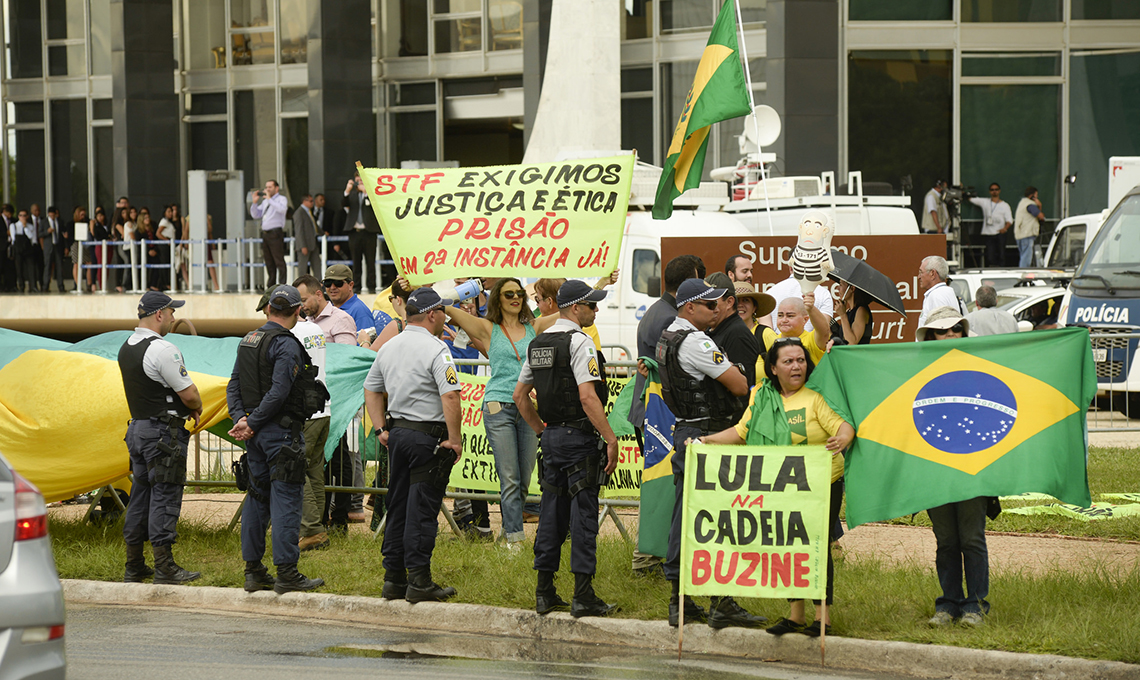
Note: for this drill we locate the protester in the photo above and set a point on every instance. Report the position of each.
(768, 422)
(739, 269)
(932, 273)
(753, 306)
(546, 293)
(959, 528)
(337, 325)
(790, 287)
(730, 333)
(338, 284)
(987, 319)
(853, 312)
(792, 316)
(398, 298)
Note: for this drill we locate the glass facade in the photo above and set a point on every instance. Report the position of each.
(1104, 107)
(900, 10)
(1000, 11)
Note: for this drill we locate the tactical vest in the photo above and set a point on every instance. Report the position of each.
(255, 376)
(687, 397)
(146, 398)
(549, 359)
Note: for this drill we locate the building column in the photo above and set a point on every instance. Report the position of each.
(536, 38)
(342, 127)
(803, 83)
(145, 105)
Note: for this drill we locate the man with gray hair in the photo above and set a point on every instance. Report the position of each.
(932, 274)
(987, 319)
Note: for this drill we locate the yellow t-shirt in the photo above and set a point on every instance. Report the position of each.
(808, 340)
(812, 422)
(591, 331)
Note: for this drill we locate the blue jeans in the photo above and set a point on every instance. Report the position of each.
(1025, 251)
(960, 531)
(514, 445)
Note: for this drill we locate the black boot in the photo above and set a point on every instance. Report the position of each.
(395, 584)
(586, 603)
(257, 577)
(137, 571)
(422, 589)
(694, 613)
(724, 612)
(545, 595)
(166, 571)
(290, 580)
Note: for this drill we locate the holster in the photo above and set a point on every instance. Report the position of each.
(170, 467)
(596, 476)
(436, 472)
(291, 465)
(246, 482)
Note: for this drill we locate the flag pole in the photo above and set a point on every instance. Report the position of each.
(752, 115)
(824, 622)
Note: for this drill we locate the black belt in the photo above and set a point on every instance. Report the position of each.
(173, 421)
(434, 428)
(706, 425)
(583, 424)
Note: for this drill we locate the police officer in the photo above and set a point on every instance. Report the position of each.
(272, 391)
(412, 396)
(702, 388)
(569, 376)
(160, 395)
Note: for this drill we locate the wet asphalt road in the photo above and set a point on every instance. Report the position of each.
(136, 643)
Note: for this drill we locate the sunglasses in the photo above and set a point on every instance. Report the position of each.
(956, 328)
(782, 342)
(708, 304)
(591, 305)
(334, 283)
(512, 294)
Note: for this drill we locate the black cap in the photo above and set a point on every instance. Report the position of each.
(265, 298)
(284, 297)
(153, 301)
(574, 291)
(696, 289)
(424, 300)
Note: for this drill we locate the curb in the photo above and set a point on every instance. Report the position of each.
(903, 658)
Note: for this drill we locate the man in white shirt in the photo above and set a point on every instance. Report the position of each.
(932, 275)
(997, 218)
(789, 287)
(935, 217)
(272, 216)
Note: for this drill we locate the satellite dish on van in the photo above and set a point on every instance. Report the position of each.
(762, 128)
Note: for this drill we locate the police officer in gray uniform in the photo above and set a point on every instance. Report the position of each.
(272, 391)
(702, 389)
(578, 446)
(161, 396)
(412, 397)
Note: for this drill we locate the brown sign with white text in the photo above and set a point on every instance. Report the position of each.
(897, 257)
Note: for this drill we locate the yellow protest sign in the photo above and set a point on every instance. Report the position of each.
(558, 220)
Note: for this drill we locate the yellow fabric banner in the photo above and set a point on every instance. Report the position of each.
(542, 220)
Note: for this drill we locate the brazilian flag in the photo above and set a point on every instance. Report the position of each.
(949, 420)
(719, 92)
(657, 492)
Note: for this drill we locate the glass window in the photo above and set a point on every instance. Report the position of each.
(685, 15)
(102, 139)
(251, 13)
(646, 266)
(69, 154)
(900, 10)
(999, 11)
(413, 28)
(294, 31)
(27, 181)
(100, 37)
(201, 104)
(294, 100)
(637, 127)
(899, 117)
(295, 146)
(413, 136)
(505, 24)
(753, 11)
(101, 109)
(207, 144)
(204, 34)
(1011, 64)
(26, 112)
(411, 94)
(25, 58)
(1115, 251)
(64, 19)
(458, 35)
(67, 60)
(1104, 105)
(636, 19)
(456, 6)
(637, 79)
(1106, 9)
(255, 133)
(1070, 247)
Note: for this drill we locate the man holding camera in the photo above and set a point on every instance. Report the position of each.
(935, 216)
(272, 215)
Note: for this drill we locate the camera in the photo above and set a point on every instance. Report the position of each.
(953, 196)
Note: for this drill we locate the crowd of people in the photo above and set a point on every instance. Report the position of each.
(733, 364)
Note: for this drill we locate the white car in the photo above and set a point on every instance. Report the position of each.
(966, 282)
(1032, 306)
(31, 597)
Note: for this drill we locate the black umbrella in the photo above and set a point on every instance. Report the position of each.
(866, 278)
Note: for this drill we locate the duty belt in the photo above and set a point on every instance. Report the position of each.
(172, 421)
(583, 424)
(434, 428)
(706, 425)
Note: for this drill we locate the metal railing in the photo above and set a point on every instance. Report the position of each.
(1116, 409)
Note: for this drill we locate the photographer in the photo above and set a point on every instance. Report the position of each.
(272, 216)
(935, 216)
(997, 219)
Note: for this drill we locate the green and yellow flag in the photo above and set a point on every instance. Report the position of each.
(719, 92)
(945, 421)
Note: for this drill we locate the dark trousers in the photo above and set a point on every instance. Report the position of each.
(995, 250)
(152, 513)
(311, 263)
(24, 259)
(285, 500)
(563, 515)
(409, 536)
(53, 256)
(273, 252)
(338, 472)
(681, 433)
(363, 246)
(960, 533)
(832, 536)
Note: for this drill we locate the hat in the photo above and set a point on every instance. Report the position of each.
(265, 297)
(153, 301)
(423, 300)
(339, 272)
(764, 302)
(941, 319)
(721, 280)
(696, 289)
(284, 297)
(574, 291)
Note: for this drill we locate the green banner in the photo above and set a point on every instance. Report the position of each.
(541, 220)
(755, 521)
(1098, 511)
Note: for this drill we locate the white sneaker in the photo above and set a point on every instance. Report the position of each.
(941, 619)
(973, 619)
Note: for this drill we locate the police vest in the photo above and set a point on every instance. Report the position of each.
(549, 359)
(146, 398)
(255, 376)
(687, 397)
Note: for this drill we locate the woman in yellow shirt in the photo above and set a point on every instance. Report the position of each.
(783, 411)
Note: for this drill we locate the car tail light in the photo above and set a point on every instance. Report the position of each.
(41, 634)
(31, 512)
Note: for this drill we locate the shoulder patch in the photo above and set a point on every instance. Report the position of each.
(182, 371)
(718, 358)
(706, 345)
(252, 339)
(592, 367)
(447, 358)
(590, 349)
(452, 378)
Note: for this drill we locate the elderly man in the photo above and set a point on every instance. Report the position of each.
(932, 274)
(987, 319)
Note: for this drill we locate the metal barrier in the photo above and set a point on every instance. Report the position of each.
(1116, 408)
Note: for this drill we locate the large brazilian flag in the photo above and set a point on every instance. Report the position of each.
(949, 420)
(719, 92)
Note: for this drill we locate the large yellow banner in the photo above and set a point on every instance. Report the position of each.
(558, 220)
